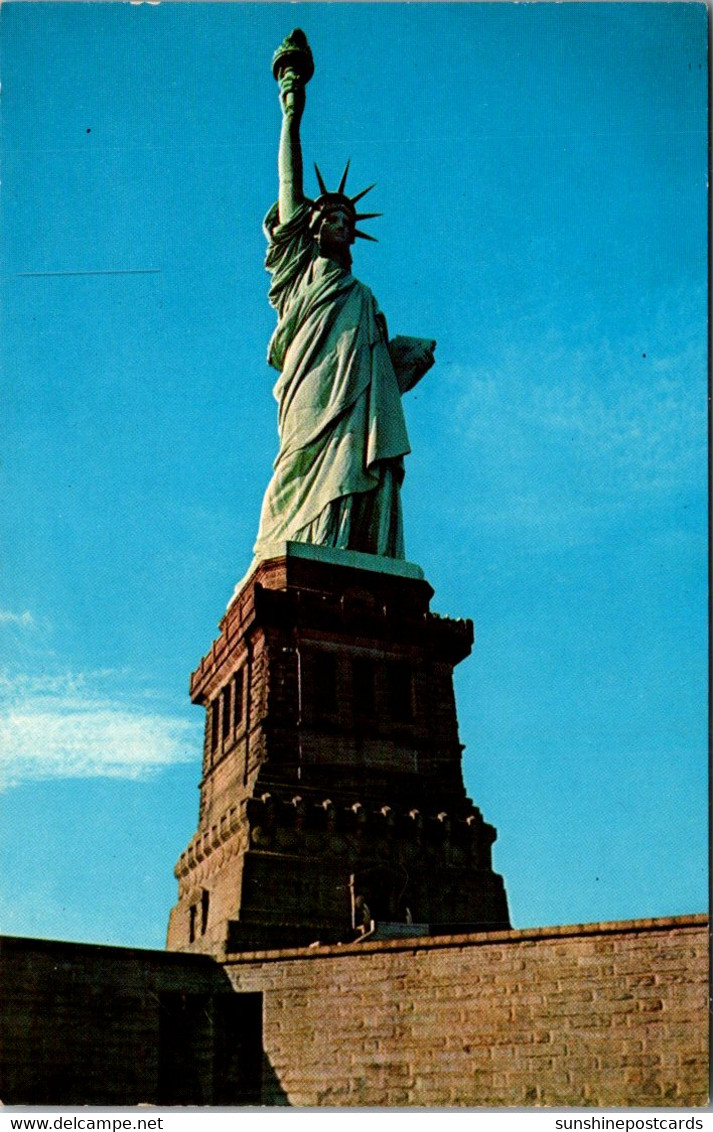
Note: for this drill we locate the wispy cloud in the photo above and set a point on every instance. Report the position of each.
(7, 617)
(70, 726)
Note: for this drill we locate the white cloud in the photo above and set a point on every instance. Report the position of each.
(7, 617)
(64, 726)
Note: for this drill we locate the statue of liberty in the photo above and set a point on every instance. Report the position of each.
(339, 469)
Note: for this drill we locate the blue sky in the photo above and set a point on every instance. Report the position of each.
(542, 173)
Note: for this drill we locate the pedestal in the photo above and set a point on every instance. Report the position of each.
(332, 798)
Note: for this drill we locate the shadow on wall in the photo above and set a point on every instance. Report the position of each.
(272, 1091)
(89, 1025)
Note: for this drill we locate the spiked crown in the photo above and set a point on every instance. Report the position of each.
(339, 199)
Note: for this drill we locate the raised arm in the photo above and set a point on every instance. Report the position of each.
(289, 162)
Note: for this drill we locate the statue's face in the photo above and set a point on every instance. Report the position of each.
(336, 232)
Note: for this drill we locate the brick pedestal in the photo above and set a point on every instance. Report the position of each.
(332, 791)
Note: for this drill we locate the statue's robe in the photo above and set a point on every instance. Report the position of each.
(342, 431)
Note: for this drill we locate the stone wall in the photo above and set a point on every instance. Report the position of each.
(117, 1026)
(601, 1014)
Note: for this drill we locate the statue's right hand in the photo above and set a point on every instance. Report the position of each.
(292, 94)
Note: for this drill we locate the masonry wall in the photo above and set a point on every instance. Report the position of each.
(602, 1015)
(117, 1026)
(610, 1014)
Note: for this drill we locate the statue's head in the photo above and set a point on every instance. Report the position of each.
(334, 218)
(333, 226)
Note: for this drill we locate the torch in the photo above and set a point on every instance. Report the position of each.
(293, 57)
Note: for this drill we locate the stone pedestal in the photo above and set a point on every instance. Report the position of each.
(332, 794)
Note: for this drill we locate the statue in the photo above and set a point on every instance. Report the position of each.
(338, 473)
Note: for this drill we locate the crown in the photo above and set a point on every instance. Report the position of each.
(339, 199)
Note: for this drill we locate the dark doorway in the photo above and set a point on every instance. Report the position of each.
(184, 1048)
(237, 1050)
(210, 1049)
